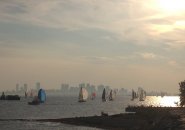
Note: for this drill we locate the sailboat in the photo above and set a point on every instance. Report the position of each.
(31, 93)
(162, 94)
(83, 95)
(25, 94)
(112, 95)
(93, 96)
(104, 95)
(134, 95)
(142, 95)
(41, 98)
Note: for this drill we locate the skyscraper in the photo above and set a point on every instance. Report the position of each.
(37, 86)
(25, 87)
(17, 88)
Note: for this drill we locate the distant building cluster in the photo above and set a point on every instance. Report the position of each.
(22, 88)
(66, 89)
(70, 90)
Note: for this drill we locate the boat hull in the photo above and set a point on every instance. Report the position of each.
(81, 100)
(33, 103)
(11, 97)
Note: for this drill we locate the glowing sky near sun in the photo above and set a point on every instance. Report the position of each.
(172, 6)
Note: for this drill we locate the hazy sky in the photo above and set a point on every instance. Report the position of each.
(121, 43)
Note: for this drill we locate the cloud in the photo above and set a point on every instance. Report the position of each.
(173, 63)
(120, 40)
(180, 45)
(126, 19)
(97, 59)
(148, 56)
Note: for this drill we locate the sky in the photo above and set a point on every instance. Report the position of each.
(120, 43)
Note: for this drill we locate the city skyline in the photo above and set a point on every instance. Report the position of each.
(123, 43)
(67, 89)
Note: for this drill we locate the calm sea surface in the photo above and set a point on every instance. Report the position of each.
(61, 107)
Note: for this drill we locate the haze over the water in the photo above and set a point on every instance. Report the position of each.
(121, 43)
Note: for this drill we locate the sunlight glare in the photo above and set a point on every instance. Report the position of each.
(172, 6)
(169, 101)
(180, 24)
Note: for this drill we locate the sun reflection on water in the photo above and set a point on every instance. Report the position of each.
(171, 101)
(158, 101)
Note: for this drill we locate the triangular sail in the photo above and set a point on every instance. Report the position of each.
(141, 94)
(80, 94)
(104, 95)
(83, 95)
(42, 96)
(112, 95)
(93, 95)
(133, 95)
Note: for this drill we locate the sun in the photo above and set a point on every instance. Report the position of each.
(172, 6)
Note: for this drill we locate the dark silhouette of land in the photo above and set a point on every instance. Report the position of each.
(152, 119)
(145, 118)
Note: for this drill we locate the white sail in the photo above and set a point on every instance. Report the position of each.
(83, 95)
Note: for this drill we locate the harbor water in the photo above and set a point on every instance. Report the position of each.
(68, 106)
